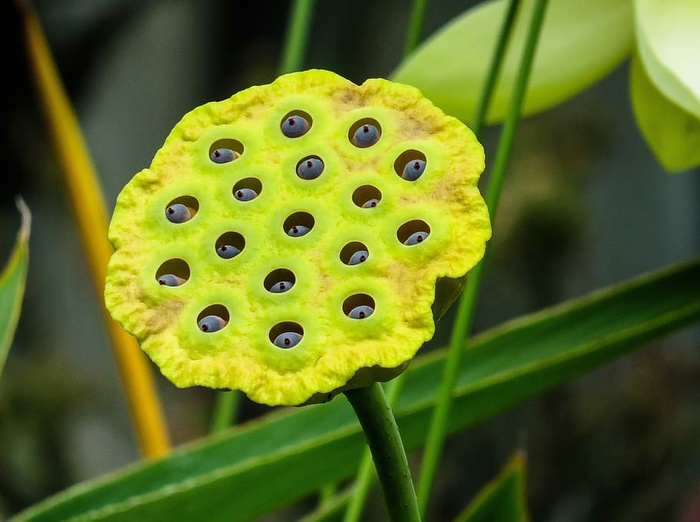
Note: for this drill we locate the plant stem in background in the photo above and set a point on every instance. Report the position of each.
(384, 440)
(297, 36)
(225, 410)
(415, 27)
(467, 304)
(87, 202)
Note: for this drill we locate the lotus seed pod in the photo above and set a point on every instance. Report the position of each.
(343, 322)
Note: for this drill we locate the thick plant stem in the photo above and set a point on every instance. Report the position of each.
(365, 475)
(467, 304)
(384, 440)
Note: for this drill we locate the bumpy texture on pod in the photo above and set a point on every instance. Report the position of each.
(341, 325)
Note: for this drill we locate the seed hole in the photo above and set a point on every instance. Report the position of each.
(286, 335)
(279, 281)
(410, 165)
(310, 167)
(299, 224)
(229, 245)
(354, 253)
(358, 306)
(296, 124)
(213, 318)
(413, 232)
(225, 150)
(365, 133)
(366, 196)
(182, 209)
(174, 272)
(247, 189)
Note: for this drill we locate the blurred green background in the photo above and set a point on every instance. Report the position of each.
(585, 205)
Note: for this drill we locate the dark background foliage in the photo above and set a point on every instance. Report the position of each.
(585, 205)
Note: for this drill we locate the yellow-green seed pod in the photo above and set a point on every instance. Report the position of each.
(288, 241)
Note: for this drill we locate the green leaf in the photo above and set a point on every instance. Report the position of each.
(12, 280)
(581, 42)
(668, 39)
(672, 134)
(502, 499)
(256, 468)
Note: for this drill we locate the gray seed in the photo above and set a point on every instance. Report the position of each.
(223, 155)
(211, 323)
(295, 126)
(227, 251)
(298, 231)
(361, 312)
(245, 194)
(281, 287)
(287, 339)
(170, 280)
(413, 170)
(365, 136)
(179, 213)
(358, 257)
(371, 203)
(310, 168)
(415, 238)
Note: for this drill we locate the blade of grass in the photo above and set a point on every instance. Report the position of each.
(503, 498)
(267, 464)
(12, 281)
(87, 202)
(467, 304)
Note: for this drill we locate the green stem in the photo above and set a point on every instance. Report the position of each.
(365, 474)
(384, 440)
(467, 304)
(415, 26)
(297, 36)
(225, 410)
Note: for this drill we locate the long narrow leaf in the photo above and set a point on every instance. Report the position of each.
(85, 196)
(12, 280)
(284, 457)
